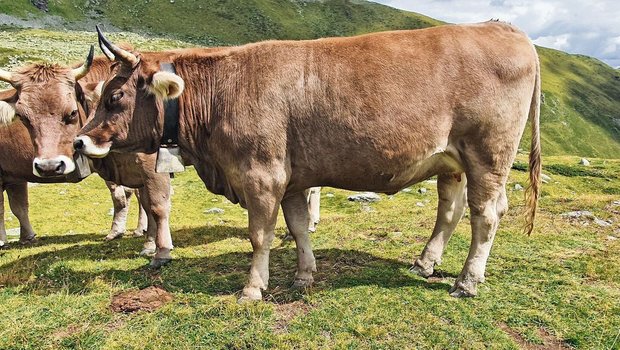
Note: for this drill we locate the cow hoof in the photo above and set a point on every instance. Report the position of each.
(113, 235)
(288, 237)
(138, 233)
(28, 240)
(157, 263)
(463, 289)
(250, 295)
(147, 252)
(302, 283)
(419, 270)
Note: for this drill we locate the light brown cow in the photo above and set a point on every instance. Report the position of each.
(263, 122)
(16, 170)
(52, 105)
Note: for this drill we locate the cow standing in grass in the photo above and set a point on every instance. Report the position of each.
(264, 122)
(52, 107)
(16, 170)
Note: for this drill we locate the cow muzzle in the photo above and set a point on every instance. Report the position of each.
(85, 145)
(52, 167)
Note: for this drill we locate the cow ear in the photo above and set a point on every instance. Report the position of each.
(93, 91)
(166, 85)
(7, 113)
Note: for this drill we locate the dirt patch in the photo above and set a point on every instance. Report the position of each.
(550, 342)
(67, 332)
(285, 313)
(147, 299)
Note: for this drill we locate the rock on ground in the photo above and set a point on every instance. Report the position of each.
(364, 197)
(214, 211)
(584, 162)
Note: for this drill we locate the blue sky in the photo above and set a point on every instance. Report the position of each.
(587, 27)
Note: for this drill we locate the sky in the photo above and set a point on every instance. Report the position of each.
(576, 26)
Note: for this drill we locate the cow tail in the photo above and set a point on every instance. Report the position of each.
(533, 190)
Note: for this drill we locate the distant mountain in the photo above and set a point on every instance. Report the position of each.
(580, 116)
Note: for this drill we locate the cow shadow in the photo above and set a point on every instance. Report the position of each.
(224, 274)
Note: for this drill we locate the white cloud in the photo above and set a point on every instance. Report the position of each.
(576, 26)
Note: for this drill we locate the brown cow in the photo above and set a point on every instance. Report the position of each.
(53, 106)
(263, 122)
(16, 170)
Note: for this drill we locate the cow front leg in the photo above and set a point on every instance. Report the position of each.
(3, 238)
(314, 207)
(18, 201)
(263, 200)
(452, 202)
(295, 209)
(157, 188)
(487, 204)
(121, 209)
(150, 235)
(142, 218)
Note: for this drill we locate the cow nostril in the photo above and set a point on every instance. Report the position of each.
(61, 167)
(78, 144)
(38, 167)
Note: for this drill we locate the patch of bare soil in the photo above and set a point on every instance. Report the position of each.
(67, 332)
(147, 299)
(285, 313)
(550, 342)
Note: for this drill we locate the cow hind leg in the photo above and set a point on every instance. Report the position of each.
(452, 202)
(314, 207)
(18, 201)
(120, 200)
(487, 203)
(295, 209)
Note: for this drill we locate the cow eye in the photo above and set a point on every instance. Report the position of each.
(71, 118)
(117, 96)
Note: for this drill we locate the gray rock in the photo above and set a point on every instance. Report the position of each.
(214, 211)
(578, 214)
(611, 238)
(419, 204)
(584, 162)
(615, 203)
(422, 190)
(545, 178)
(602, 223)
(12, 233)
(364, 197)
(518, 187)
(329, 195)
(406, 190)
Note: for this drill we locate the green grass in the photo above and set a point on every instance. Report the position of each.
(563, 280)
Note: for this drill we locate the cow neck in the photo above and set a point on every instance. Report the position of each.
(170, 136)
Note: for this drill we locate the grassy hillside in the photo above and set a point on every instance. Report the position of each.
(557, 289)
(581, 114)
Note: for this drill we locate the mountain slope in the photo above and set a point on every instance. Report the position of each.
(580, 114)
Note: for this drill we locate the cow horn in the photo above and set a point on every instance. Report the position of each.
(82, 70)
(6, 76)
(114, 52)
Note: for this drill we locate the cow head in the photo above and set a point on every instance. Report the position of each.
(46, 102)
(129, 116)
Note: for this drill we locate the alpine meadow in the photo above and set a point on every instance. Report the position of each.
(558, 288)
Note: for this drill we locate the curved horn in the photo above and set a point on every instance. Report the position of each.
(114, 52)
(6, 76)
(82, 70)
